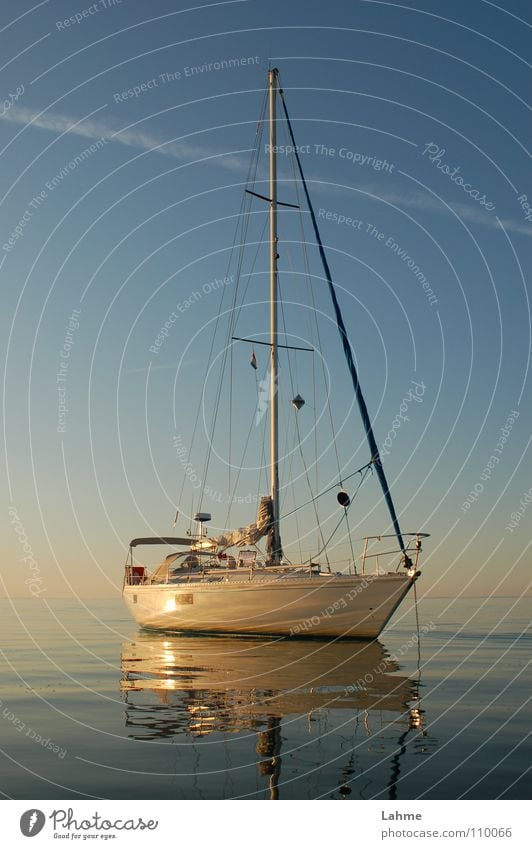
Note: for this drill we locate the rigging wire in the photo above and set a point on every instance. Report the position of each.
(249, 275)
(298, 432)
(296, 519)
(347, 347)
(233, 331)
(227, 347)
(263, 465)
(310, 287)
(315, 405)
(241, 217)
(236, 309)
(362, 478)
(251, 177)
(329, 489)
(349, 538)
(313, 304)
(290, 478)
(250, 430)
(230, 435)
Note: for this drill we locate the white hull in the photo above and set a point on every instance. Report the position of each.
(311, 606)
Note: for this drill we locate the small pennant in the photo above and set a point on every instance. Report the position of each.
(253, 361)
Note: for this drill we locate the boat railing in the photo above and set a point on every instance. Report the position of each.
(136, 574)
(409, 557)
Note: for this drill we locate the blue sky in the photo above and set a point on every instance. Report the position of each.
(125, 135)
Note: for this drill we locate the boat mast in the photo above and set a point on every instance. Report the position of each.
(276, 553)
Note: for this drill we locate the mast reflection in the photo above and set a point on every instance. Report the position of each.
(175, 685)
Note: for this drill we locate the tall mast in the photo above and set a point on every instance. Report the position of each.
(274, 416)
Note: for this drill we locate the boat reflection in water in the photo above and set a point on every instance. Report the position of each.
(177, 686)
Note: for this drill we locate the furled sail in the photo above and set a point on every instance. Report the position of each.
(250, 534)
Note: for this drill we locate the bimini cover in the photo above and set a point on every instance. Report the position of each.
(250, 534)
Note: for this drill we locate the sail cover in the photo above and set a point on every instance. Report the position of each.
(250, 534)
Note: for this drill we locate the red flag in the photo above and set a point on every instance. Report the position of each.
(253, 361)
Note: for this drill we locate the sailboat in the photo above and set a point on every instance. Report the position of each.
(224, 583)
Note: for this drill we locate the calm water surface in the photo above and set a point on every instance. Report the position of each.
(92, 706)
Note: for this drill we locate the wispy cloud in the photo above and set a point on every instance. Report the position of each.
(467, 213)
(185, 151)
(428, 203)
(97, 128)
